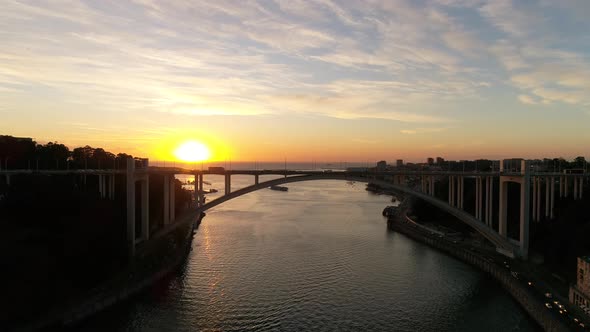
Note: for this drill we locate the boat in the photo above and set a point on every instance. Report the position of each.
(278, 188)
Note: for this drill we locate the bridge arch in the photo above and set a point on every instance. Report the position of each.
(499, 241)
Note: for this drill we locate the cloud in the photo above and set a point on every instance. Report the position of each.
(526, 99)
(422, 130)
(391, 60)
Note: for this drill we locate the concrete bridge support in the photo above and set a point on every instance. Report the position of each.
(7, 180)
(132, 178)
(539, 187)
(106, 186)
(575, 187)
(112, 187)
(477, 198)
(172, 199)
(547, 197)
(166, 198)
(581, 190)
(145, 208)
(460, 183)
(450, 197)
(196, 192)
(169, 199)
(227, 184)
(491, 201)
(561, 187)
(552, 188)
(535, 198)
(431, 185)
(524, 182)
(256, 179)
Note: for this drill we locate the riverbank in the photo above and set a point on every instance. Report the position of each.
(154, 260)
(515, 287)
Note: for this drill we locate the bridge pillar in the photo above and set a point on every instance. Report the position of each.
(172, 199)
(202, 195)
(539, 188)
(196, 189)
(552, 197)
(461, 196)
(503, 207)
(491, 202)
(112, 187)
(560, 186)
(480, 198)
(477, 198)
(547, 197)
(535, 198)
(100, 186)
(525, 191)
(565, 186)
(166, 200)
(432, 182)
(450, 195)
(524, 214)
(575, 187)
(256, 179)
(145, 207)
(7, 179)
(130, 185)
(227, 184)
(581, 190)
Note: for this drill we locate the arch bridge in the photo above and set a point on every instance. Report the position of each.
(418, 183)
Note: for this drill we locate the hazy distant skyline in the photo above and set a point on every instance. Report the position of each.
(303, 80)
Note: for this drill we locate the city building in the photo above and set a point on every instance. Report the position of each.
(399, 162)
(430, 161)
(381, 165)
(440, 160)
(580, 292)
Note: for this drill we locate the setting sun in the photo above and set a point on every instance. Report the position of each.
(192, 151)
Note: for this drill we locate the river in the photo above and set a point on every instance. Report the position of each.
(318, 258)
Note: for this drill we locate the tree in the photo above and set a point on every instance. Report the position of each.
(580, 162)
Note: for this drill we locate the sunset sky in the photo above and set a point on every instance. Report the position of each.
(303, 80)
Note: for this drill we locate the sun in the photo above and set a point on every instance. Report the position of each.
(192, 151)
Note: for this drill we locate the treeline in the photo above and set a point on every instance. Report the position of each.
(25, 153)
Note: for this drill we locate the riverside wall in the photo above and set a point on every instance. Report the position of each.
(520, 292)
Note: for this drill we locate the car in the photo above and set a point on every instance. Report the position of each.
(548, 305)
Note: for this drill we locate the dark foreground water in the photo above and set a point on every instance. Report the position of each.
(316, 258)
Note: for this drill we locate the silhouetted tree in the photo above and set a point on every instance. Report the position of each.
(52, 155)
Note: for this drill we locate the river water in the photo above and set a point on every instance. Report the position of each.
(318, 258)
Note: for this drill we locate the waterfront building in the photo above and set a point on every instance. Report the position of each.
(580, 291)
(399, 163)
(381, 165)
(430, 161)
(440, 160)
